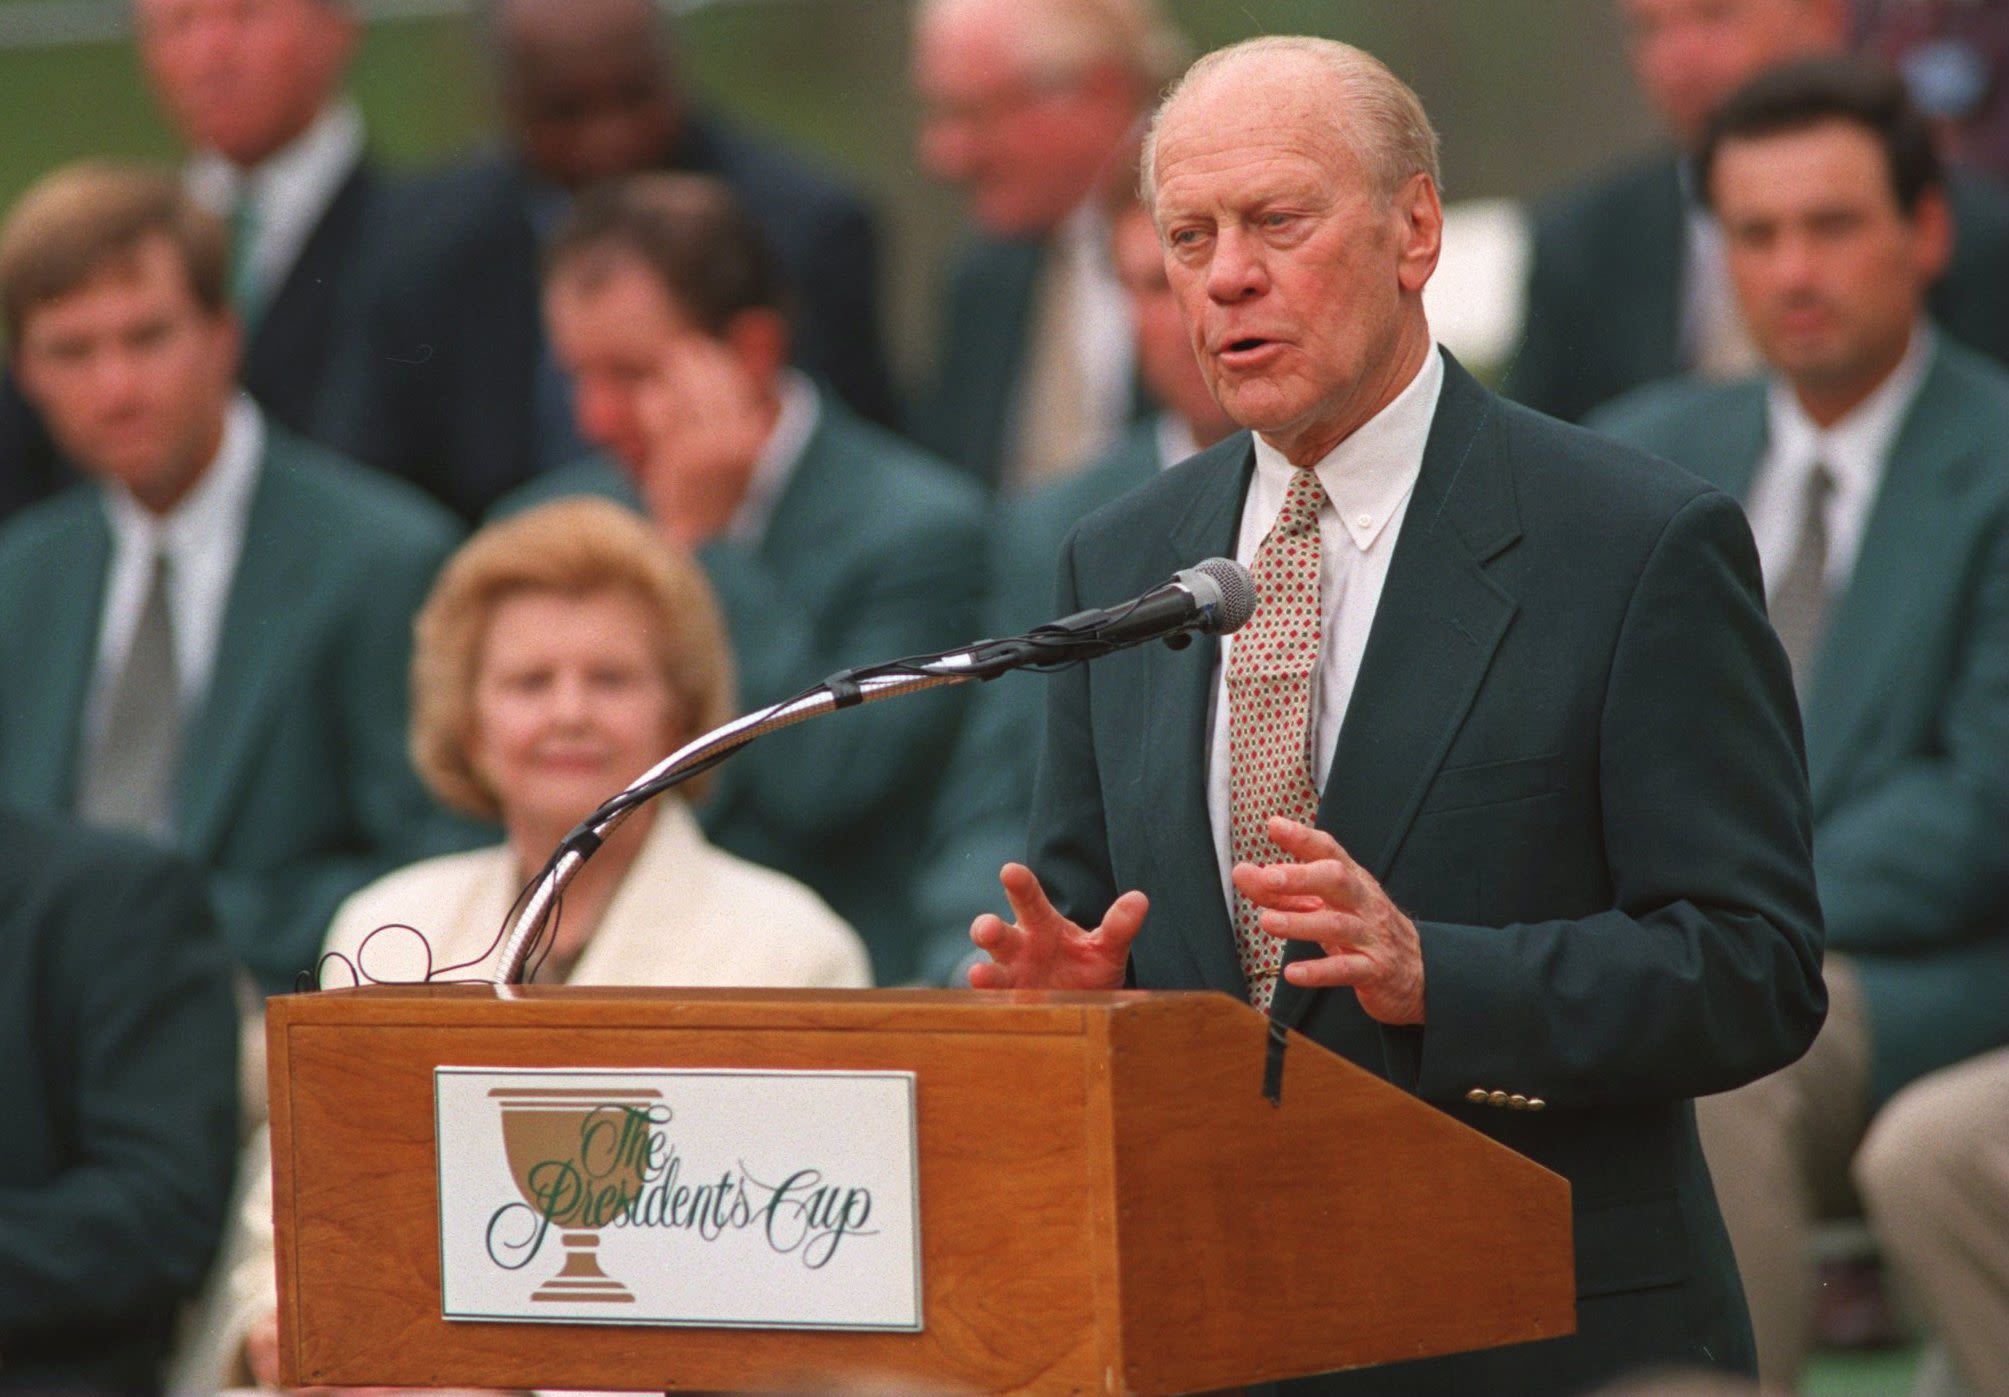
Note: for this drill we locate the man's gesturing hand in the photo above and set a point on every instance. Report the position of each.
(1328, 898)
(1042, 950)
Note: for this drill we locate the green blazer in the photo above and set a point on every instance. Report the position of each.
(294, 788)
(1572, 756)
(980, 814)
(874, 551)
(963, 415)
(1604, 285)
(1907, 717)
(118, 1086)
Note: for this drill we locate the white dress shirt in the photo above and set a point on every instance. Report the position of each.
(203, 537)
(1368, 480)
(794, 425)
(1855, 450)
(1104, 337)
(291, 191)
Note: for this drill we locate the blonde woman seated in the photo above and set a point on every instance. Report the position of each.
(562, 653)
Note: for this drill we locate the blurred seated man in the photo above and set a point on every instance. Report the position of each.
(831, 542)
(1873, 457)
(1628, 283)
(986, 798)
(118, 1082)
(206, 642)
(448, 380)
(1934, 1176)
(254, 89)
(1028, 106)
(562, 654)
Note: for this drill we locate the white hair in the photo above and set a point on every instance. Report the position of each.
(1377, 116)
(1062, 39)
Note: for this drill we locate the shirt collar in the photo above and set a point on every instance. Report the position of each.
(1175, 440)
(1368, 474)
(1856, 446)
(796, 422)
(312, 164)
(216, 507)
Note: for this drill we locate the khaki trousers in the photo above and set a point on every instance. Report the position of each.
(1934, 1175)
(1779, 1152)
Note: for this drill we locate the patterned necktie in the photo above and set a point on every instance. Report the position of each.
(128, 777)
(1271, 665)
(1800, 601)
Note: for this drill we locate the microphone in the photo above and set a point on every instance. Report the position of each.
(1213, 598)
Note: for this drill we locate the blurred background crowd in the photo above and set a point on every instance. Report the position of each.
(420, 417)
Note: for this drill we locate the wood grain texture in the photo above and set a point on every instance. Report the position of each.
(1085, 1217)
(1346, 1226)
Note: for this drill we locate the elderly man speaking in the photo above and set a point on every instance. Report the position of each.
(1500, 794)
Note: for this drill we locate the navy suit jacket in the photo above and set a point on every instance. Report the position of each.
(1572, 757)
(118, 1086)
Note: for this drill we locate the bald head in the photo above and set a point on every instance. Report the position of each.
(1029, 104)
(588, 86)
(1320, 83)
(1689, 55)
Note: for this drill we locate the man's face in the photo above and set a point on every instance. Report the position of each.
(1689, 55)
(1025, 149)
(588, 90)
(1301, 285)
(1829, 270)
(611, 327)
(132, 374)
(1164, 350)
(244, 77)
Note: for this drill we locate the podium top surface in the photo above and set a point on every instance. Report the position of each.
(942, 1011)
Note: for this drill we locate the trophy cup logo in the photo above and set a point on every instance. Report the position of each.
(579, 1158)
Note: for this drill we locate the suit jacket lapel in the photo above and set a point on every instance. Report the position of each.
(1917, 505)
(274, 575)
(50, 704)
(1440, 619)
(1180, 683)
(1738, 440)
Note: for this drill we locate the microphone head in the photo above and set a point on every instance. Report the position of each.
(1227, 592)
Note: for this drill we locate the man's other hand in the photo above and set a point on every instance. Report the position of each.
(1328, 898)
(1042, 950)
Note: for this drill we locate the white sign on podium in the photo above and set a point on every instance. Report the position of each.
(784, 1200)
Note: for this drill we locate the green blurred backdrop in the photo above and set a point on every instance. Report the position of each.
(1526, 93)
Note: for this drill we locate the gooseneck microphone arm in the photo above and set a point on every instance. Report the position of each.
(1215, 597)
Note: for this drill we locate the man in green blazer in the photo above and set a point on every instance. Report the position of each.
(118, 1086)
(831, 543)
(1550, 870)
(1626, 285)
(1836, 219)
(986, 794)
(1032, 111)
(208, 642)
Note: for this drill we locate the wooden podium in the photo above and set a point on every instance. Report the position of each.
(1108, 1201)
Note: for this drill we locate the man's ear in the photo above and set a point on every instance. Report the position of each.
(759, 340)
(1932, 234)
(1418, 220)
